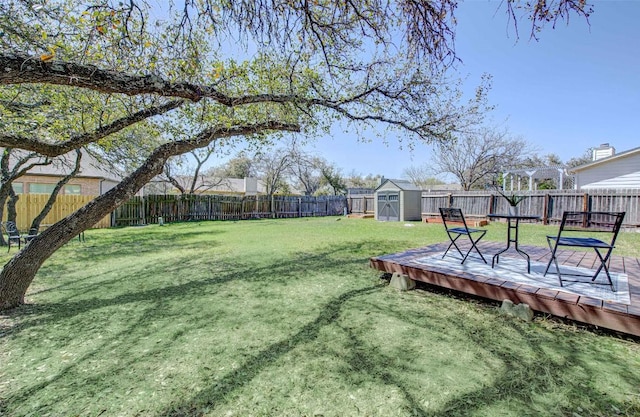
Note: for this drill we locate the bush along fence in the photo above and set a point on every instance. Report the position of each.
(548, 204)
(193, 207)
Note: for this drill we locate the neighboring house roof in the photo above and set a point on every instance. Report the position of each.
(90, 167)
(619, 171)
(222, 185)
(606, 160)
(237, 185)
(443, 187)
(359, 190)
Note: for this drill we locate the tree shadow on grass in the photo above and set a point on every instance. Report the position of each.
(90, 278)
(524, 379)
(156, 309)
(243, 375)
(531, 377)
(520, 386)
(155, 240)
(278, 271)
(534, 362)
(183, 239)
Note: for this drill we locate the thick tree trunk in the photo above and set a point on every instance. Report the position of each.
(4, 195)
(19, 272)
(12, 213)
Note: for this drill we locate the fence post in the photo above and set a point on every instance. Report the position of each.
(144, 209)
(273, 206)
(545, 208)
(585, 202)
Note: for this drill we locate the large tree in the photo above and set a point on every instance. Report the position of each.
(476, 159)
(188, 177)
(332, 177)
(376, 63)
(273, 168)
(421, 176)
(306, 171)
(240, 166)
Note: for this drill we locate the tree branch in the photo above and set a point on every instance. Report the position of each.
(50, 149)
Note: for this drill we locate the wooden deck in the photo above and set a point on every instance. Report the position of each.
(611, 315)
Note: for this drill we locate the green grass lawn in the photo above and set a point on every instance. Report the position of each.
(285, 318)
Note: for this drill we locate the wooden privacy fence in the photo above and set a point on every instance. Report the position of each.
(30, 205)
(361, 204)
(191, 207)
(548, 204)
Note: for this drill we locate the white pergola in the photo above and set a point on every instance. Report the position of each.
(512, 176)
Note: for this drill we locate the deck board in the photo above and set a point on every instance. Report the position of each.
(611, 315)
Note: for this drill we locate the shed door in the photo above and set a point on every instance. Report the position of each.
(389, 206)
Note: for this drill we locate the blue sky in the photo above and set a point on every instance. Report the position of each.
(575, 88)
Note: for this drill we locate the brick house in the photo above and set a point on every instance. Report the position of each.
(93, 179)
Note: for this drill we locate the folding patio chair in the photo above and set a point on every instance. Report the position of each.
(607, 224)
(13, 235)
(456, 226)
(33, 233)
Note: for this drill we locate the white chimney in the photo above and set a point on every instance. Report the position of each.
(603, 151)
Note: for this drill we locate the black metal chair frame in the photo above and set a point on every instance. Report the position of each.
(454, 215)
(12, 234)
(590, 222)
(33, 233)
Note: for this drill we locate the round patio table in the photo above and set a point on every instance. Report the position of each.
(513, 221)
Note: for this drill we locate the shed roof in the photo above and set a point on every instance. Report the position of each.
(403, 185)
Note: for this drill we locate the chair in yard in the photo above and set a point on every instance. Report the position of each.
(33, 232)
(456, 226)
(13, 235)
(576, 223)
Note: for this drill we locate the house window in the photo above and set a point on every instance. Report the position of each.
(35, 188)
(74, 189)
(18, 187)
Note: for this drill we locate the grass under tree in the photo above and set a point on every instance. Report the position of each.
(284, 317)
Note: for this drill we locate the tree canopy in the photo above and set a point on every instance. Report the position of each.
(85, 73)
